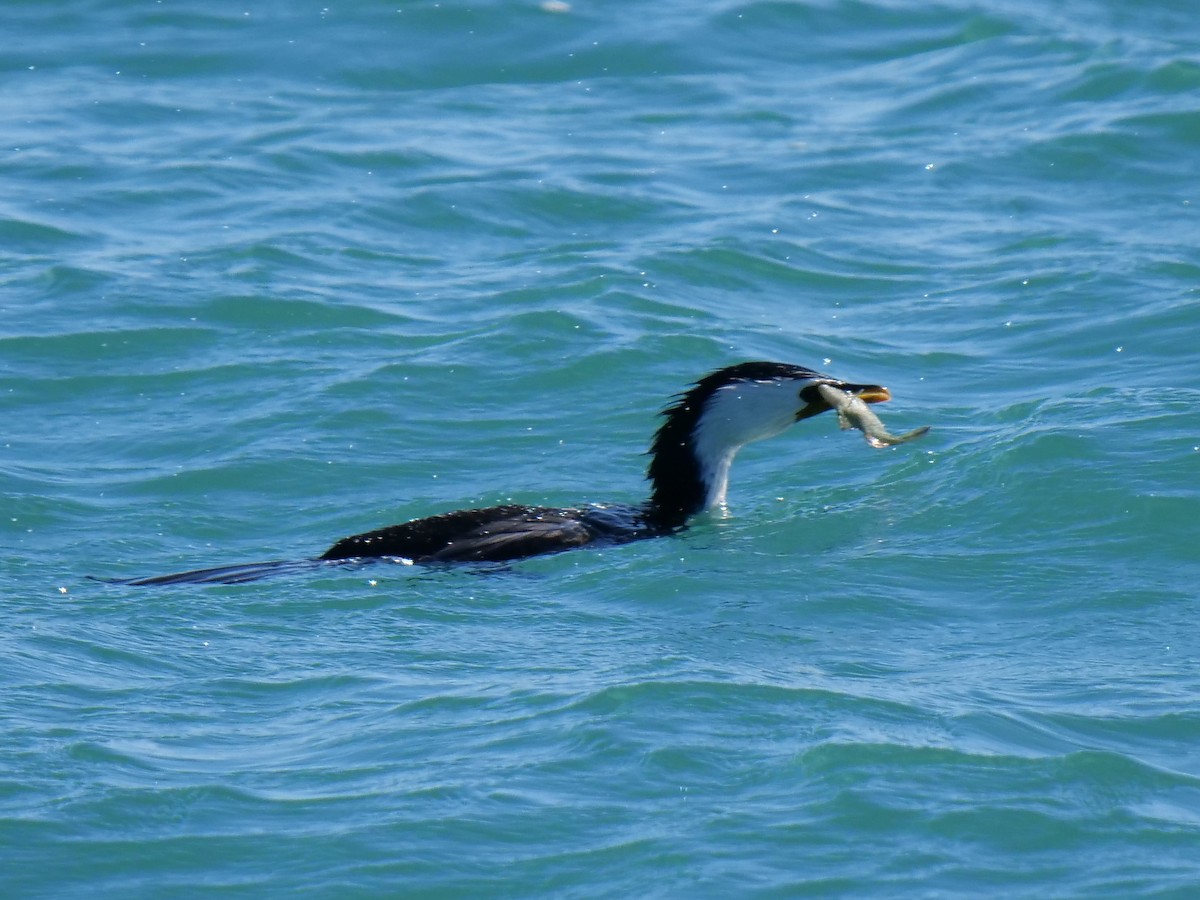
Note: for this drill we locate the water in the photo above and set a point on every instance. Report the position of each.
(277, 273)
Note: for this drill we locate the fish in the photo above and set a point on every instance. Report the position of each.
(853, 412)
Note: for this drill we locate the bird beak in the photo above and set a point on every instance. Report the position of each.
(868, 393)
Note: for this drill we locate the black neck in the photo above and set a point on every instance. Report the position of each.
(677, 488)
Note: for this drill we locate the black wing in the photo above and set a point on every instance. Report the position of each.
(494, 534)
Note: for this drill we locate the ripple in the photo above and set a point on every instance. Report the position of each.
(278, 277)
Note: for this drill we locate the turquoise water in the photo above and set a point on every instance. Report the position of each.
(278, 273)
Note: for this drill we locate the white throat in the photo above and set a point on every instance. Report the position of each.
(734, 416)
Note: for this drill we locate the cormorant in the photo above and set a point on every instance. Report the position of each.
(690, 457)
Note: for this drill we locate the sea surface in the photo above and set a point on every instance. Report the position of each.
(273, 273)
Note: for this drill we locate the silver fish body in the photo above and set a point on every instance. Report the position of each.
(853, 412)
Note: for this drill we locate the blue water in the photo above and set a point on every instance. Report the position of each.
(274, 274)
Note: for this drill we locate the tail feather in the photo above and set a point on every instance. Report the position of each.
(238, 574)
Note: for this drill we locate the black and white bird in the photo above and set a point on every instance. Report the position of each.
(690, 458)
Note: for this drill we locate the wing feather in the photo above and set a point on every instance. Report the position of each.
(494, 534)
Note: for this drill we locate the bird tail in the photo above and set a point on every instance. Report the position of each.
(239, 574)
